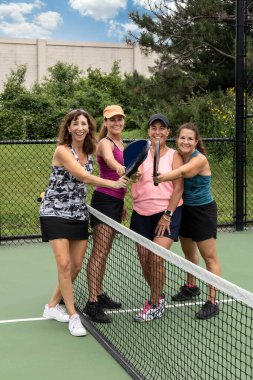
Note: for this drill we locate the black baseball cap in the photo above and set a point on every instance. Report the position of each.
(161, 117)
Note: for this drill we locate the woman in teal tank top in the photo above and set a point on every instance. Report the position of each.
(198, 229)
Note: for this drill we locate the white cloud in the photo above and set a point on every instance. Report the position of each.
(23, 30)
(170, 4)
(98, 9)
(20, 20)
(18, 11)
(120, 30)
(49, 20)
(146, 3)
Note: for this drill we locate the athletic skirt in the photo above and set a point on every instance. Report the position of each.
(107, 205)
(53, 227)
(199, 222)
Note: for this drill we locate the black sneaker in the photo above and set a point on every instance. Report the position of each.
(107, 303)
(186, 293)
(95, 312)
(208, 310)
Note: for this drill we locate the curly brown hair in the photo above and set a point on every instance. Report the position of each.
(200, 145)
(65, 138)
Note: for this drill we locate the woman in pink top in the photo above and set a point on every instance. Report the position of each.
(156, 214)
(111, 203)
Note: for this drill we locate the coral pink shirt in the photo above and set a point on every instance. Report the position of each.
(147, 198)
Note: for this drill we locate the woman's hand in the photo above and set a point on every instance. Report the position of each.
(121, 183)
(120, 170)
(163, 224)
(159, 178)
(135, 176)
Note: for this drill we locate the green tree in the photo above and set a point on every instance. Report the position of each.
(195, 41)
(61, 80)
(11, 118)
(36, 113)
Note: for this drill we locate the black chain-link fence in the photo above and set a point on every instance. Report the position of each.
(249, 176)
(25, 169)
(248, 117)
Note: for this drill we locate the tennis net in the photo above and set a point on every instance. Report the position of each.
(176, 346)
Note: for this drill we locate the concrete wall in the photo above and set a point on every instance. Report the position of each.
(39, 55)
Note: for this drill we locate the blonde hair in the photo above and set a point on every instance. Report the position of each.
(102, 132)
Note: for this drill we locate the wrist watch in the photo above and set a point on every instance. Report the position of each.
(168, 213)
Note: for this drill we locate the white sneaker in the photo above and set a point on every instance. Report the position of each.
(58, 313)
(75, 326)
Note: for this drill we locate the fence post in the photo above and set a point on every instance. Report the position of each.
(240, 146)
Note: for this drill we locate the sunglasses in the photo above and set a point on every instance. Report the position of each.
(72, 112)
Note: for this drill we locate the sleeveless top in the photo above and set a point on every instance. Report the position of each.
(107, 173)
(65, 196)
(197, 190)
(147, 198)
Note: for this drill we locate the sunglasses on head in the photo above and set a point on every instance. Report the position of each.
(77, 110)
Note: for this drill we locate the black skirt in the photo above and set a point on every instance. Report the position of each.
(199, 222)
(107, 205)
(53, 227)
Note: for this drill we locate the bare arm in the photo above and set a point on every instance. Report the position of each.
(178, 184)
(193, 167)
(178, 187)
(105, 150)
(64, 157)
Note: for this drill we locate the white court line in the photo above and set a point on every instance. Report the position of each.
(169, 306)
(24, 320)
(118, 311)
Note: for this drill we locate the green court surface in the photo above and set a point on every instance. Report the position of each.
(41, 349)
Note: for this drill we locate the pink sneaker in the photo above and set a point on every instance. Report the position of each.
(150, 312)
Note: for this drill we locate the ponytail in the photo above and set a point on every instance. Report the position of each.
(102, 132)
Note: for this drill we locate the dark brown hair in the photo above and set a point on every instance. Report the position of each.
(200, 145)
(65, 138)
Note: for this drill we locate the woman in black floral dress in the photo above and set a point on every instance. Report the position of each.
(63, 211)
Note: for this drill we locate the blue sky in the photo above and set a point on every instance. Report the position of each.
(71, 20)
